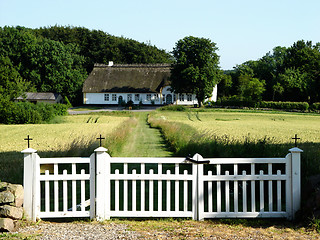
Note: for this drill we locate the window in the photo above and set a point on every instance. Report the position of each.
(189, 97)
(181, 96)
(174, 97)
(156, 97)
(148, 97)
(129, 97)
(136, 97)
(114, 97)
(106, 97)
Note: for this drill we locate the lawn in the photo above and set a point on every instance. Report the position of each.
(239, 125)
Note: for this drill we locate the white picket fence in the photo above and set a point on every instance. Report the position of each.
(101, 187)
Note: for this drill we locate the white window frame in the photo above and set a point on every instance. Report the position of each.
(181, 97)
(189, 97)
(106, 97)
(137, 97)
(129, 97)
(114, 97)
(148, 97)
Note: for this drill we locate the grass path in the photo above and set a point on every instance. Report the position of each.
(145, 141)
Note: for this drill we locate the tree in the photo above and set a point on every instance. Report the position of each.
(195, 69)
(251, 88)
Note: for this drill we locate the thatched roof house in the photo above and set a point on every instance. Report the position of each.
(127, 78)
(140, 83)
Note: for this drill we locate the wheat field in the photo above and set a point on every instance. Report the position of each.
(58, 136)
(282, 127)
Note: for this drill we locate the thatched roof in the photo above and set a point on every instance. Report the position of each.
(39, 96)
(127, 78)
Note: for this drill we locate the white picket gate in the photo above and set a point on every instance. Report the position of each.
(101, 186)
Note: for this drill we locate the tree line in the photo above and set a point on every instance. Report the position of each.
(58, 59)
(284, 74)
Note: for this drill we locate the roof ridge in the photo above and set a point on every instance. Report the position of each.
(134, 65)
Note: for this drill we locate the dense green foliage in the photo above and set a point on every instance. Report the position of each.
(235, 102)
(25, 112)
(58, 59)
(285, 74)
(195, 69)
(100, 47)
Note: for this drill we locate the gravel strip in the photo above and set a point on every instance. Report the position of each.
(49, 230)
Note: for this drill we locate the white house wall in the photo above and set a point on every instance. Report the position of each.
(145, 98)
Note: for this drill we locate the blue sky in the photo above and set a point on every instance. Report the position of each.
(243, 30)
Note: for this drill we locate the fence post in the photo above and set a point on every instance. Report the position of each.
(30, 167)
(102, 184)
(198, 192)
(295, 180)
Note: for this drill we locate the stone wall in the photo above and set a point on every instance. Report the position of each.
(11, 201)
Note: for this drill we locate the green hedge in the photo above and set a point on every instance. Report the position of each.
(233, 103)
(303, 106)
(284, 105)
(315, 106)
(29, 113)
(173, 108)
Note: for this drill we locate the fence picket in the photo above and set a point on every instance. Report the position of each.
(168, 192)
(218, 189)
(125, 188)
(235, 187)
(74, 188)
(134, 192)
(83, 191)
(210, 192)
(47, 195)
(56, 188)
(227, 193)
(151, 192)
(65, 192)
(117, 192)
(261, 193)
(253, 189)
(244, 193)
(185, 191)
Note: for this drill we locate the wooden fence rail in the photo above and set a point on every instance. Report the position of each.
(101, 187)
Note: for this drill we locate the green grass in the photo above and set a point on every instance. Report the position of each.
(144, 141)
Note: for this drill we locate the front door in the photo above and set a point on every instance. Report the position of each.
(120, 100)
(169, 99)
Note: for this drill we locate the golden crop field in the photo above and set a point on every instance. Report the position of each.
(238, 125)
(58, 136)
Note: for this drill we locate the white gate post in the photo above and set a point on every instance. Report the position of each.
(30, 167)
(198, 199)
(102, 184)
(295, 179)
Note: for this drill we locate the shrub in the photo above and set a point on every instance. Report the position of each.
(315, 106)
(61, 109)
(29, 113)
(233, 101)
(173, 108)
(284, 105)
